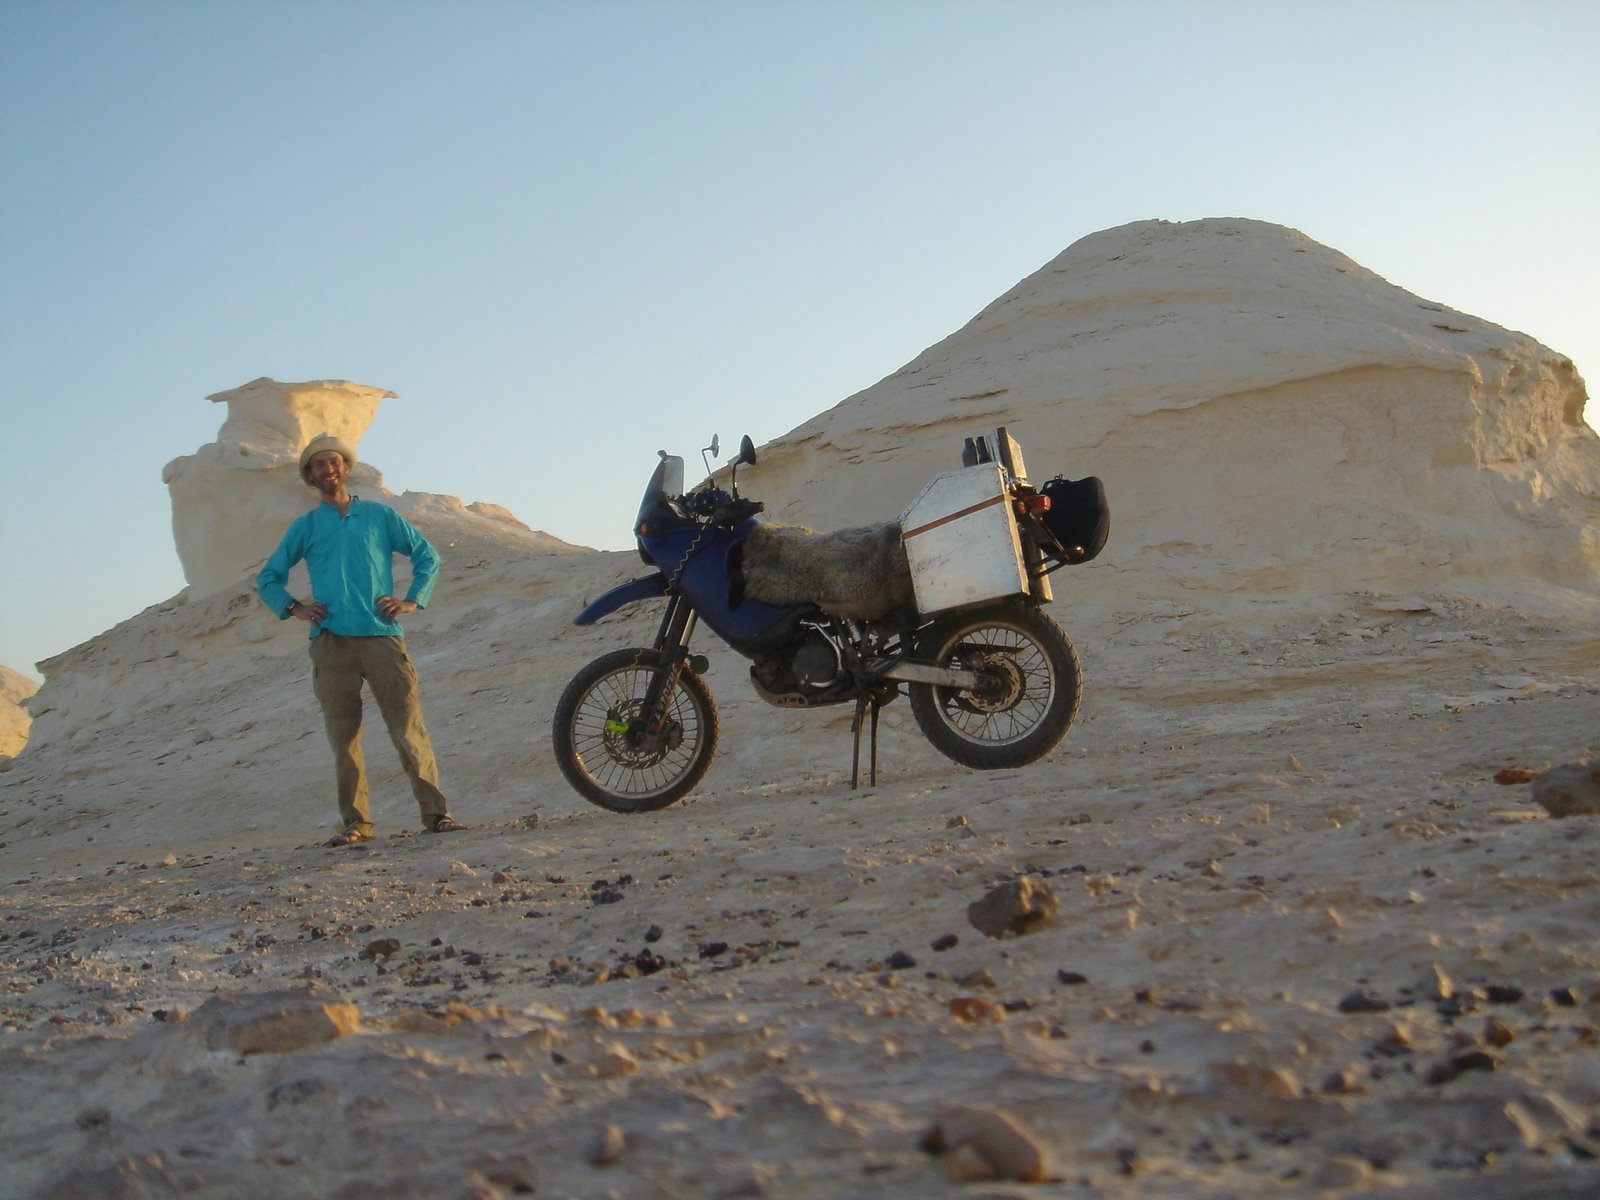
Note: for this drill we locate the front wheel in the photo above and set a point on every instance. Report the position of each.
(1033, 686)
(606, 746)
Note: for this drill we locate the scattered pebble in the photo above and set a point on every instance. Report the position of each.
(987, 1143)
(1363, 1002)
(977, 1010)
(1016, 907)
(1570, 790)
(1508, 776)
(1471, 1060)
(1344, 1082)
(381, 948)
(608, 1148)
(1344, 1172)
(1497, 1033)
(615, 1062)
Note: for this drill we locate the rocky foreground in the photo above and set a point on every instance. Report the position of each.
(1330, 951)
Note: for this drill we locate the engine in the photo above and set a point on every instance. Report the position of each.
(806, 671)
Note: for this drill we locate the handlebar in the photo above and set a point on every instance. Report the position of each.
(719, 508)
(739, 509)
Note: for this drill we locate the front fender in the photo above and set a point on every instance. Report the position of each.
(647, 588)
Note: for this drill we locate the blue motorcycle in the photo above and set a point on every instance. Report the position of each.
(946, 602)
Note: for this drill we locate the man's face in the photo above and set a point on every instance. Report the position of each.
(327, 470)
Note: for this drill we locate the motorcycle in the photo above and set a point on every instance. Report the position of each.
(994, 682)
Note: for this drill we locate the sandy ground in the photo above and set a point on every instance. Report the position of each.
(1305, 945)
(1304, 930)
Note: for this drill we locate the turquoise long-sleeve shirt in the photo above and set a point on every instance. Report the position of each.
(350, 559)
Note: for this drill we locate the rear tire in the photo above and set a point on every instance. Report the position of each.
(616, 766)
(1038, 686)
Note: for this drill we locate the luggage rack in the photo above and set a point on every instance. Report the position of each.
(1080, 508)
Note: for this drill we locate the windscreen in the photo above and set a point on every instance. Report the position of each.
(665, 481)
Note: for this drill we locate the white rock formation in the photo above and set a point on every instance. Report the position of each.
(208, 647)
(1285, 438)
(1272, 420)
(233, 498)
(15, 688)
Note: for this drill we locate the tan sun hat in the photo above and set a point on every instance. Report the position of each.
(326, 441)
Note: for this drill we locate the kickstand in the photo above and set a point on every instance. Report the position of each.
(855, 727)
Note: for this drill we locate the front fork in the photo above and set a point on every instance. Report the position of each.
(672, 645)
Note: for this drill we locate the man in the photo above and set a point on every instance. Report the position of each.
(348, 545)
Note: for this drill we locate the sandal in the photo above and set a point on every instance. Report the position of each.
(445, 824)
(349, 838)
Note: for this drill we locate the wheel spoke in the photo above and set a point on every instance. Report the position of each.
(1026, 696)
(605, 748)
(1027, 701)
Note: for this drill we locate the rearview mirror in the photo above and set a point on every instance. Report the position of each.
(747, 451)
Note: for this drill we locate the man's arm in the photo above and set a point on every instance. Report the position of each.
(273, 578)
(424, 559)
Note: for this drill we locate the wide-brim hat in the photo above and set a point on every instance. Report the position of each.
(326, 441)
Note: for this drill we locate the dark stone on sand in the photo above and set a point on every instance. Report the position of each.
(1363, 1002)
(381, 948)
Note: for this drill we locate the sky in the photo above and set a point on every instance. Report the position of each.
(570, 234)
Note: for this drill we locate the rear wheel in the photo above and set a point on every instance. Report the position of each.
(1031, 693)
(605, 747)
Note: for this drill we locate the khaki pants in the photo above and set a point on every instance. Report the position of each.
(338, 667)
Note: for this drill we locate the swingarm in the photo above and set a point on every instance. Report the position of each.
(947, 677)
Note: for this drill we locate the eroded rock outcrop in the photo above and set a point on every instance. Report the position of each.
(15, 688)
(233, 498)
(1273, 421)
(231, 501)
(1284, 436)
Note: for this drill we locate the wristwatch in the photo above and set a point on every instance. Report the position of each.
(293, 604)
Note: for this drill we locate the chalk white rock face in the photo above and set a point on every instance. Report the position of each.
(1271, 419)
(233, 498)
(15, 688)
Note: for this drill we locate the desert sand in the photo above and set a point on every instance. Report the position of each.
(1308, 931)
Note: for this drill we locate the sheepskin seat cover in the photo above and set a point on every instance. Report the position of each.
(856, 573)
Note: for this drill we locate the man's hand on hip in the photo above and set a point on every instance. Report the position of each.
(389, 608)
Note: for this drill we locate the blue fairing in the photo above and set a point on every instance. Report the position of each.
(706, 582)
(624, 594)
(697, 560)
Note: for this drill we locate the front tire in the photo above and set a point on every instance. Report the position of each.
(1037, 686)
(607, 755)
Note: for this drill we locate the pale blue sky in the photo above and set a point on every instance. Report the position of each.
(571, 234)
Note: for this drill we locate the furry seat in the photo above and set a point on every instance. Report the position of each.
(855, 573)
